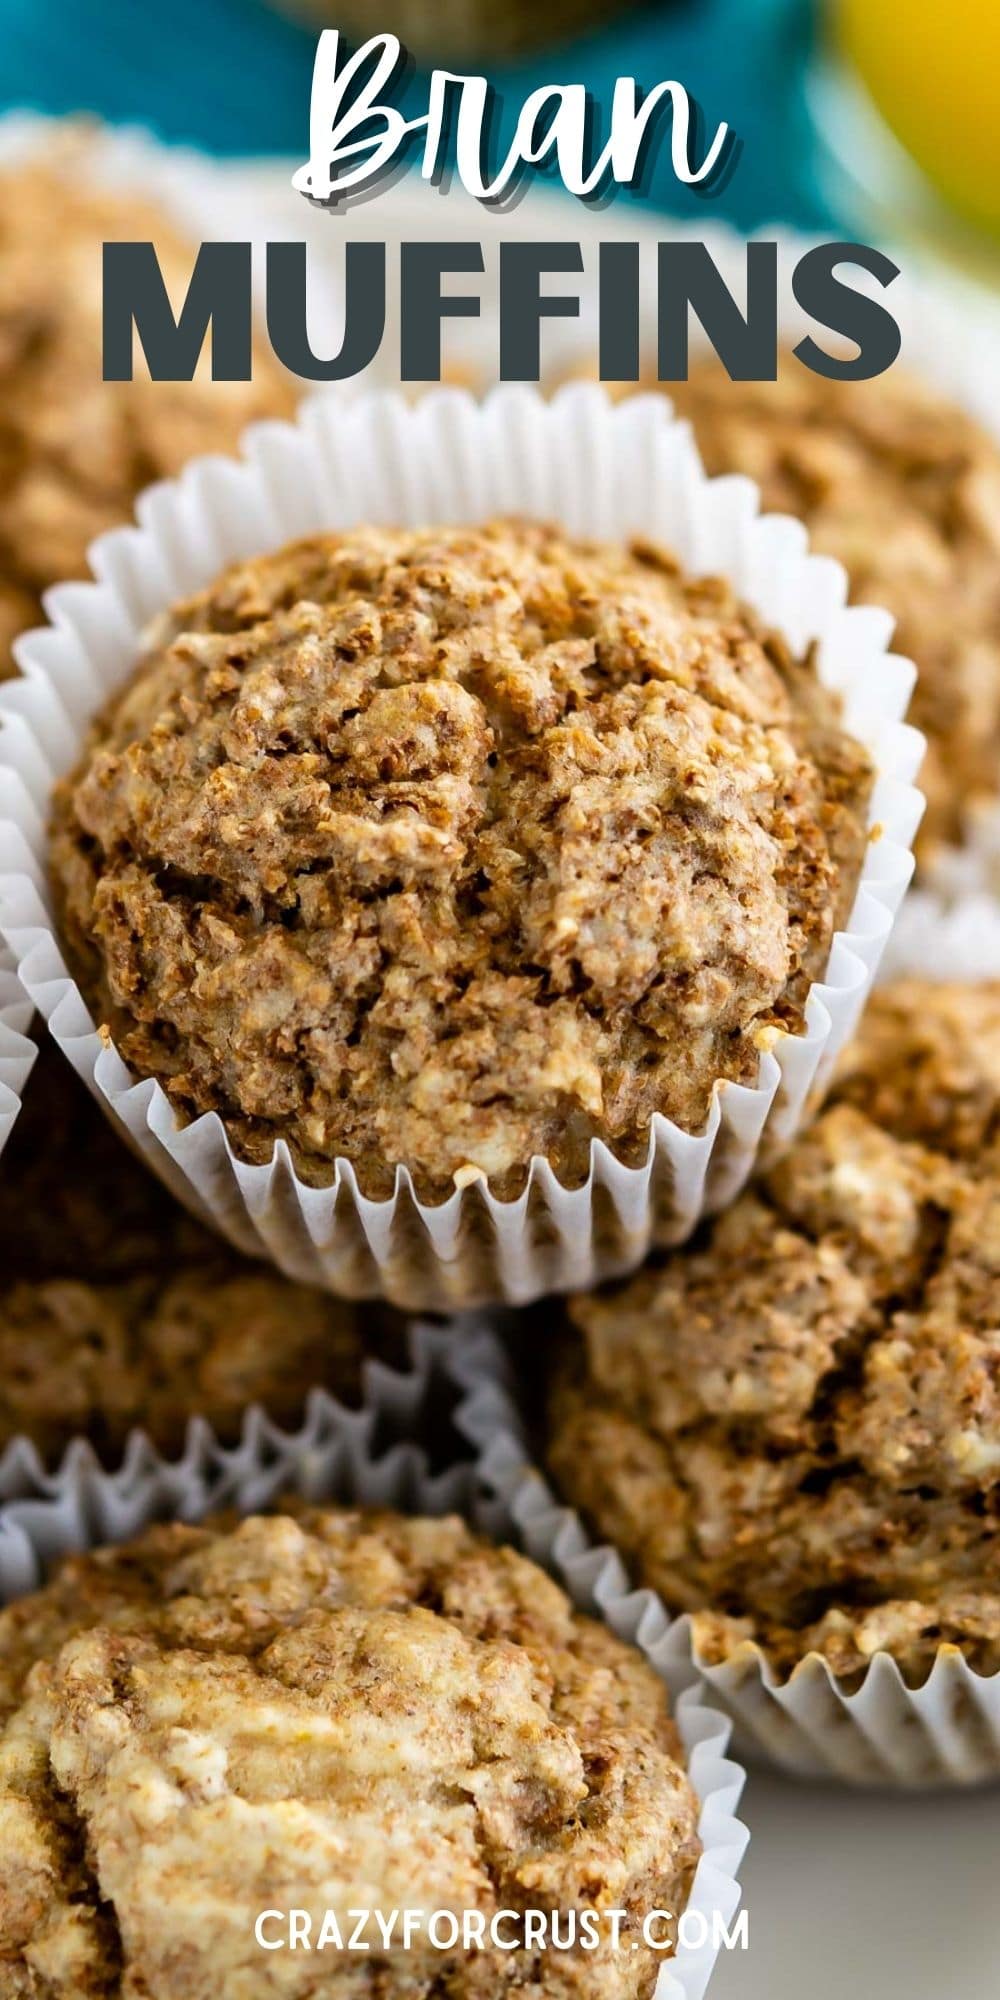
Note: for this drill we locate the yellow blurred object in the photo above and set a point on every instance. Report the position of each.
(933, 70)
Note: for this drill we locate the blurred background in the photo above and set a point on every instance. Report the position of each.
(882, 116)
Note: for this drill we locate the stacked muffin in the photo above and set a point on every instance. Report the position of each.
(74, 450)
(411, 858)
(329, 764)
(119, 1312)
(326, 1711)
(447, 849)
(791, 1429)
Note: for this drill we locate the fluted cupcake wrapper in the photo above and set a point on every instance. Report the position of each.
(596, 468)
(395, 1406)
(17, 1050)
(338, 1455)
(946, 1732)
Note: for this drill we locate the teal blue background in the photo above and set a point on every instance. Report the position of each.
(233, 76)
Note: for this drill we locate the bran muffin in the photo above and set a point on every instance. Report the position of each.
(454, 846)
(324, 1710)
(792, 1430)
(118, 1310)
(76, 450)
(903, 487)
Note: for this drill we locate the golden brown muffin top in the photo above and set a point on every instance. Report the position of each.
(331, 1711)
(903, 487)
(454, 846)
(119, 1311)
(793, 1427)
(76, 450)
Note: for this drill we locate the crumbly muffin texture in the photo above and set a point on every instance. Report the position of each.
(451, 847)
(326, 1711)
(903, 487)
(119, 1311)
(75, 450)
(793, 1430)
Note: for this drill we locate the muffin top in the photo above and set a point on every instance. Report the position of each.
(451, 847)
(74, 449)
(904, 488)
(327, 1711)
(118, 1310)
(793, 1428)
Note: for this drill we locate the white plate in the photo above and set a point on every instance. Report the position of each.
(862, 1896)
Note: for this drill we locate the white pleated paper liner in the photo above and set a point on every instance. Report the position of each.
(597, 468)
(946, 1732)
(17, 1050)
(397, 1404)
(335, 1457)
